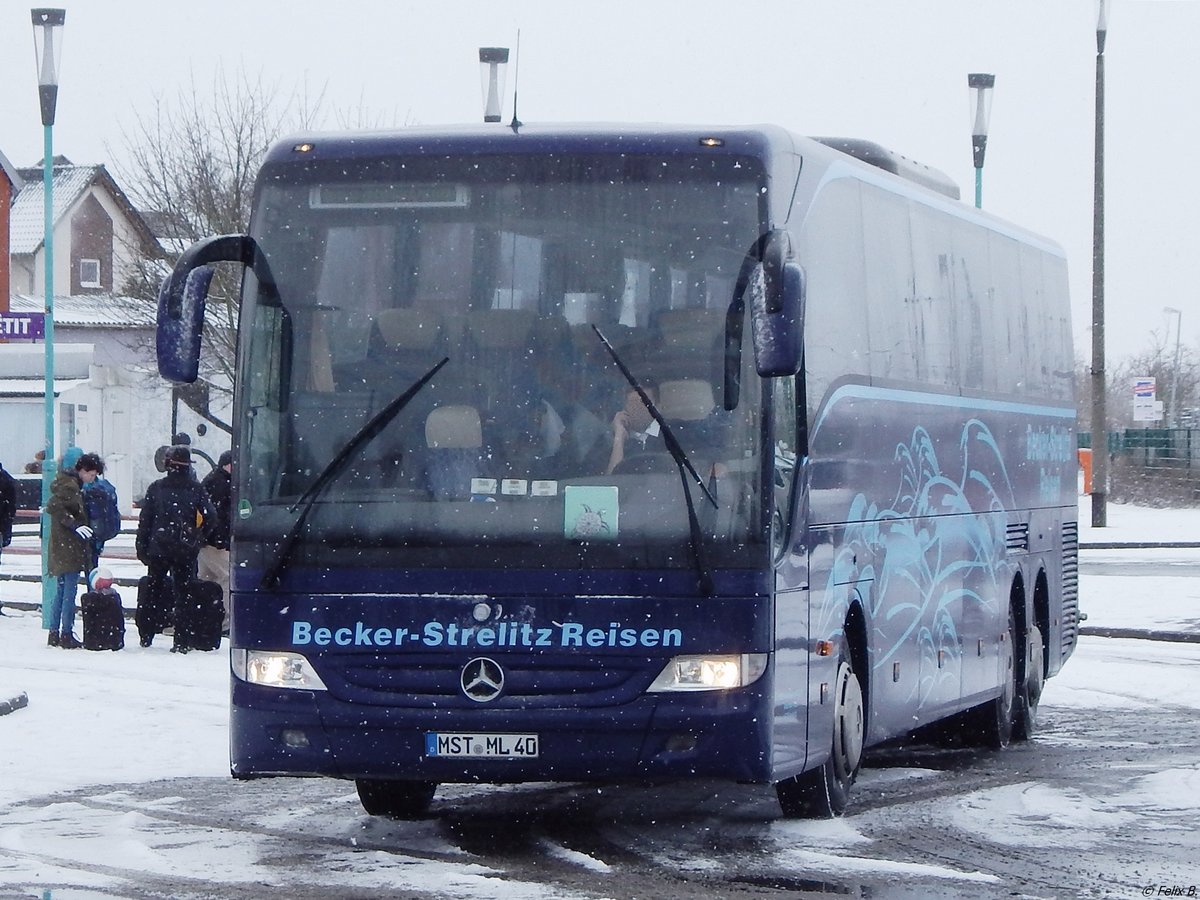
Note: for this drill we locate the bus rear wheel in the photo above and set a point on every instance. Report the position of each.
(995, 718)
(1030, 694)
(395, 799)
(825, 791)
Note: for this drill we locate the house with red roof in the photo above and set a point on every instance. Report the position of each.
(109, 398)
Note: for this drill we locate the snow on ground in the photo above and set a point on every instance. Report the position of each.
(145, 714)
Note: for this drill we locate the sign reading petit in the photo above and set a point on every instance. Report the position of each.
(22, 326)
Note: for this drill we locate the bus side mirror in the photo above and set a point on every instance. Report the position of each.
(182, 297)
(181, 325)
(777, 320)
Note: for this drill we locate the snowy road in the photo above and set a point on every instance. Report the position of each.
(1103, 803)
(113, 783)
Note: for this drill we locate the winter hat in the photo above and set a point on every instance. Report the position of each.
(100, 579)
(179, 457)
(70, 457)
(225, 458)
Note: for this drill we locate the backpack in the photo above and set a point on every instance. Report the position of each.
(100, 498)
(178, 521)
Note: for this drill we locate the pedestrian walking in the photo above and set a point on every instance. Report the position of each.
(70, 536)
(100, 501)
(214, 555)
(174, 522)
(8, 510)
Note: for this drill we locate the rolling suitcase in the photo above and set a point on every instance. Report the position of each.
(103, 620)
(155, 602)
(202, 615)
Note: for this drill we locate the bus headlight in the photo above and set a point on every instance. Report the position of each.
(275, 668)
(710, 673)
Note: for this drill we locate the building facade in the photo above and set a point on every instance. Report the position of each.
(109, 398)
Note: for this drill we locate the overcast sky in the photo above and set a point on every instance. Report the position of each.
(893, 71)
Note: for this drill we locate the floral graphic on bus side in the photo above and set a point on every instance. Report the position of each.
(931, 551)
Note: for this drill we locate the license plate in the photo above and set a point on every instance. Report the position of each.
(482, 746)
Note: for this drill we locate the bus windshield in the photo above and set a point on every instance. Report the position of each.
(526, 275)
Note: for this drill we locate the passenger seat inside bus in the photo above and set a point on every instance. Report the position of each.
(502, 375)
(688, 344)
(454, 442)
(689, 407)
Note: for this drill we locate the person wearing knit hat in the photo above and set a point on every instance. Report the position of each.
(174, 522)
(70, 457)
(70, 536)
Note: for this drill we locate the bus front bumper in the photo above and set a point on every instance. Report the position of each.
(718, 734)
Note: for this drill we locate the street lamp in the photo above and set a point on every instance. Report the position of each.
(1173, 420)
(47, 45)
(1099, 418)
(493, 63)
(981, 85)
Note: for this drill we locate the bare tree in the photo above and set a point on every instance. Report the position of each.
(192, 165)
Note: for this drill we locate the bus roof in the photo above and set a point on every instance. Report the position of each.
(754, 140)
(465, 139)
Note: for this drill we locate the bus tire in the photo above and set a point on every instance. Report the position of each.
(824, 792)
(395, 799)
(995, 718)
(1030, 694)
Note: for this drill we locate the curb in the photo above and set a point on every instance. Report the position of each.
(14, 703)
(1140, 545)
(1144, 634)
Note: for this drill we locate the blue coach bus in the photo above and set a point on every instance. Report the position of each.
(604, 453)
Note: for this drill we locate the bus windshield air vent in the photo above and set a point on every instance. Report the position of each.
(389, 195)
(883, 158)
(1016, 538)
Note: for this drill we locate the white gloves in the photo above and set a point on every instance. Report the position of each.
(85, 532)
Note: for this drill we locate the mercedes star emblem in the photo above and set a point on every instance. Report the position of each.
(482, 680)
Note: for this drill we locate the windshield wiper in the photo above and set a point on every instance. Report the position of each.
(681, 460)
(336, 466)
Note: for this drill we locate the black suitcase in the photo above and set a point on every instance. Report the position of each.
(203, 615)
(155, 605)
(103, 621)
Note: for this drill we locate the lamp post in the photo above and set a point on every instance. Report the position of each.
(47, 37)
(493, 63)
(1173, 418)
(1099, 417)
(981, 85)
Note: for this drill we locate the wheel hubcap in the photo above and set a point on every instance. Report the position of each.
(848, 720)
(1036, 668)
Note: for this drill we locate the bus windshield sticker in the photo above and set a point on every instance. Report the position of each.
(514, 487)
(539, 488)
(483, 485)
(590, 512)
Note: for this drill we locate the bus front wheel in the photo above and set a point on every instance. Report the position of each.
(395, 799)
(823, 793)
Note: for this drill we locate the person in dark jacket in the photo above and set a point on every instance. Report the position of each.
(8, 508)
(214, 555)
(70, 536)
(175, 520)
